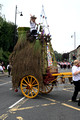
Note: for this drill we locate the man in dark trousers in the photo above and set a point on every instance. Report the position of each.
(9, 67)
(76, 79)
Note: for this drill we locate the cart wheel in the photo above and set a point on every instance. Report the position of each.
(29, 86)
(46, 88)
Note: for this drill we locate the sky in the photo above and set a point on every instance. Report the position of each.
(63, 18)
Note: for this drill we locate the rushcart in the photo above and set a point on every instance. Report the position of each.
(34, 67)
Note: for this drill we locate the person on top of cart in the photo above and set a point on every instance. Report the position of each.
(76, 79)
(33, 25)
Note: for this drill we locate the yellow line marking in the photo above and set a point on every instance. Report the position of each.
(48, 104)
(48, 98)
(26, 108)
(70, 106)
(10, 111)
(4, 116)
(16, 109)
(19, 118)
(67, 90)
(70, 88)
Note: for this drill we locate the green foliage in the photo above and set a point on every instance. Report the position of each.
(7, 32)
(37, 45)
(1, 53)
(22, 33)
(7, 36)
(4, 55)
(23, 28)
(58, 56)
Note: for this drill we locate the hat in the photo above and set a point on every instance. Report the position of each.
(76, 62)
(33, 17)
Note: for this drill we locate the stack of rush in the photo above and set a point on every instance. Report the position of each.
(26, 60)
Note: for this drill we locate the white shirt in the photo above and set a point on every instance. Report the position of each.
(75, 69)
(32, 25)
(1, 68)
(8, 66)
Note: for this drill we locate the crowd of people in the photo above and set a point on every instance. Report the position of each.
(2, 68)
(64, 65)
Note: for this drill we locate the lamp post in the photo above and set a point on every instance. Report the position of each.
(16, 12)
(74, 36)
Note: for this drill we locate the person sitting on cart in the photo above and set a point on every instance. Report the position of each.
(33, 26)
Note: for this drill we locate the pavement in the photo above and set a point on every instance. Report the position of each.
(3, 74)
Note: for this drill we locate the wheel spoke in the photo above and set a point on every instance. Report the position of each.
(46, 88)
(26, 91)
(34, 91)
(24, 88)
(24, 84)
(35, 88)
(33, 82)
(31, 93)
(25, 81)
(28, 79)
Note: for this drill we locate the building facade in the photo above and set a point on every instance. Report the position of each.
(75, 54)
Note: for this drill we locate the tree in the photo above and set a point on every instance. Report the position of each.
(7, 34)
(58, 56)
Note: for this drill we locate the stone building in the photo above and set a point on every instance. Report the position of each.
(75, 54)
(78, 52)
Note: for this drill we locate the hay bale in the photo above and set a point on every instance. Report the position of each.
(26, 60)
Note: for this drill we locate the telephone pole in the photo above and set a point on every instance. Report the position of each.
(74, 40)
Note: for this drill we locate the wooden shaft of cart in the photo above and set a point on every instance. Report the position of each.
(63, 75)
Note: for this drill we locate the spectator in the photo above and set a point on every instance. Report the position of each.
(1, 68)
(68, 65)
(2, 64)
(9, 67)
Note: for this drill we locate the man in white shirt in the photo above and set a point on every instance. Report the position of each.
(76, 79)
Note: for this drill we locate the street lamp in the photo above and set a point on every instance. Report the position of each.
(74, 36)
(16, 12)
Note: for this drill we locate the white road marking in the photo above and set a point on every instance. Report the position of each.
(16, 102)
(5, 83)
(11, 89)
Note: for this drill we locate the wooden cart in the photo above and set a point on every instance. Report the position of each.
(30, 59)
(30, 86)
